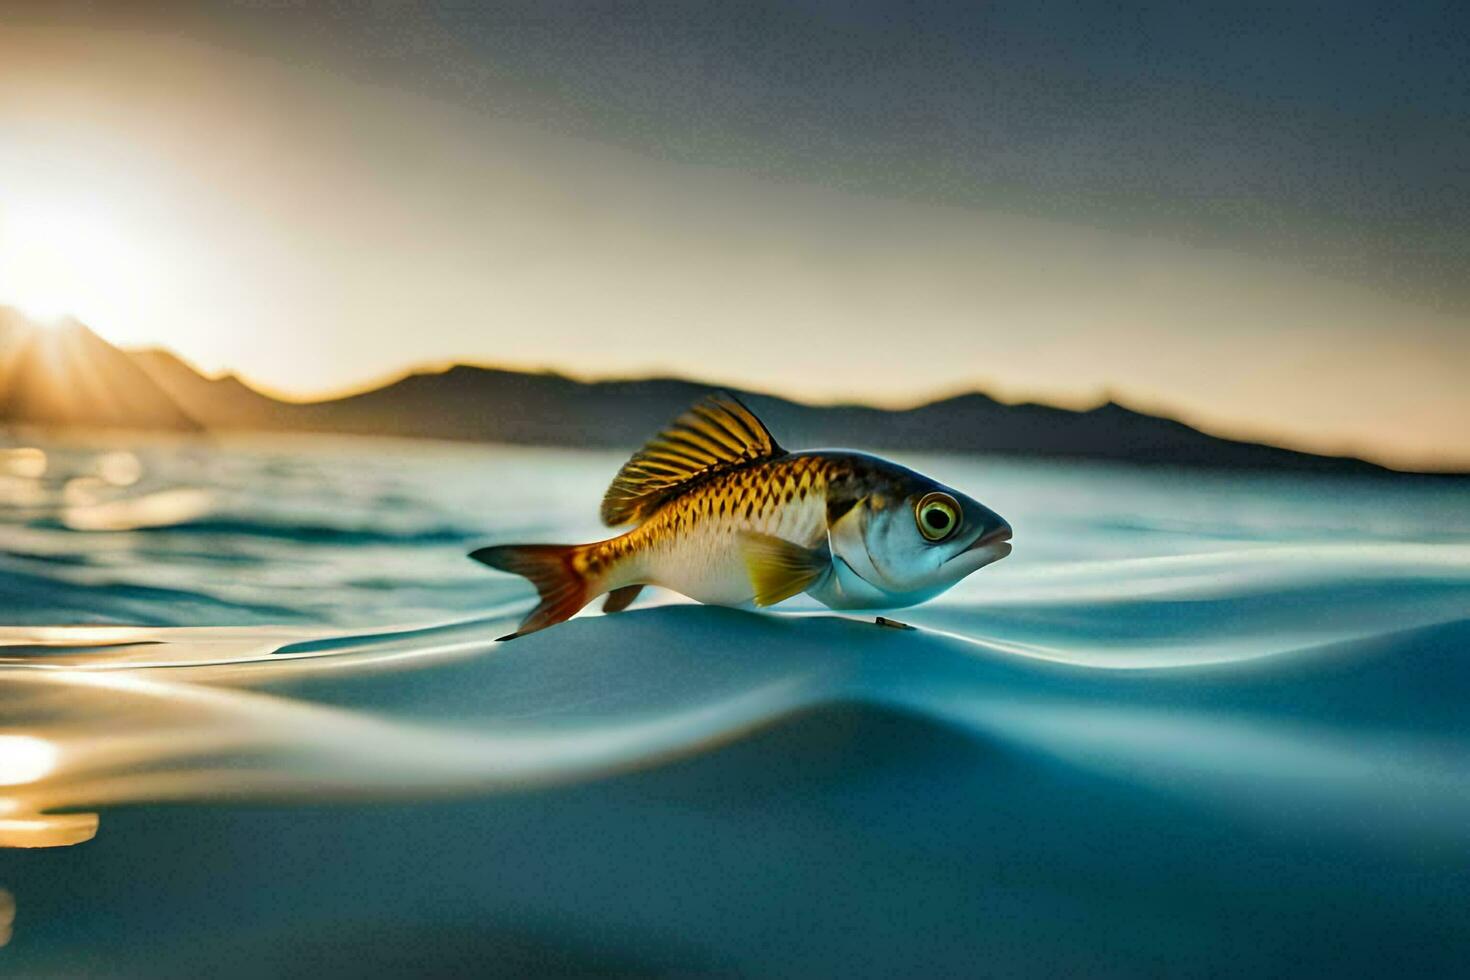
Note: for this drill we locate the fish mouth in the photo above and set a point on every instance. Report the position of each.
(996, 541)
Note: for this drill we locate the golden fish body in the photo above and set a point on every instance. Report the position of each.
(724, 515)
(692, 544)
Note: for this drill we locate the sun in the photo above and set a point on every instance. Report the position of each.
(58, 262)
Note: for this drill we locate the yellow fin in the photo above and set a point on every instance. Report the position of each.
(779, 569)
(716, 434)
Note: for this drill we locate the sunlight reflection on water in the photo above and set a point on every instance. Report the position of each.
(88, 511)
(28, 759)
(24, 462)
(25, 759)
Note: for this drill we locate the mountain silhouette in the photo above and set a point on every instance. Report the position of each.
(68, 376)
(72, 377)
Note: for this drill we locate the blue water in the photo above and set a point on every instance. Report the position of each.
(1196, 724)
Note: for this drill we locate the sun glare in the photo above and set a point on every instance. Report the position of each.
(57, 262)
(25, 759)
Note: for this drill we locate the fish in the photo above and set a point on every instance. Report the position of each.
(719, 512)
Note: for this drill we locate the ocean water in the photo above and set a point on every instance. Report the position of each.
(253, 721)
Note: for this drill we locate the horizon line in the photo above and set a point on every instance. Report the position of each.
(1442, 463)
(1446, 464)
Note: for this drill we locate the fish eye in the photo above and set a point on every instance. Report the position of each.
(938, 515)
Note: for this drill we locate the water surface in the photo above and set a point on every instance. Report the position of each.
(250, 698)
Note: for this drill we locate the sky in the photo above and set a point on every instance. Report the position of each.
(1253, 216)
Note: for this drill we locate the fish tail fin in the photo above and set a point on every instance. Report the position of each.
(553, 569)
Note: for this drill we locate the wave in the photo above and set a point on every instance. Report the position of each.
(54, 598)
(191, 714)
(704, 759)
(1135, 744)
(294, 531)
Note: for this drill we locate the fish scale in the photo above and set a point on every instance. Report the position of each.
(686, 545)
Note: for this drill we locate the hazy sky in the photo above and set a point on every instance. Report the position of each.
(1255, 216)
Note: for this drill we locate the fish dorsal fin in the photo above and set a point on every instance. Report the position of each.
(715, 435)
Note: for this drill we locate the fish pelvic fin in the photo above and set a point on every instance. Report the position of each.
(620, 599)
(780, 569)
(552, 568)
(715, 435)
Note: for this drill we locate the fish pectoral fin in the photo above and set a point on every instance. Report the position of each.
(780, 569)
(620, 599)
